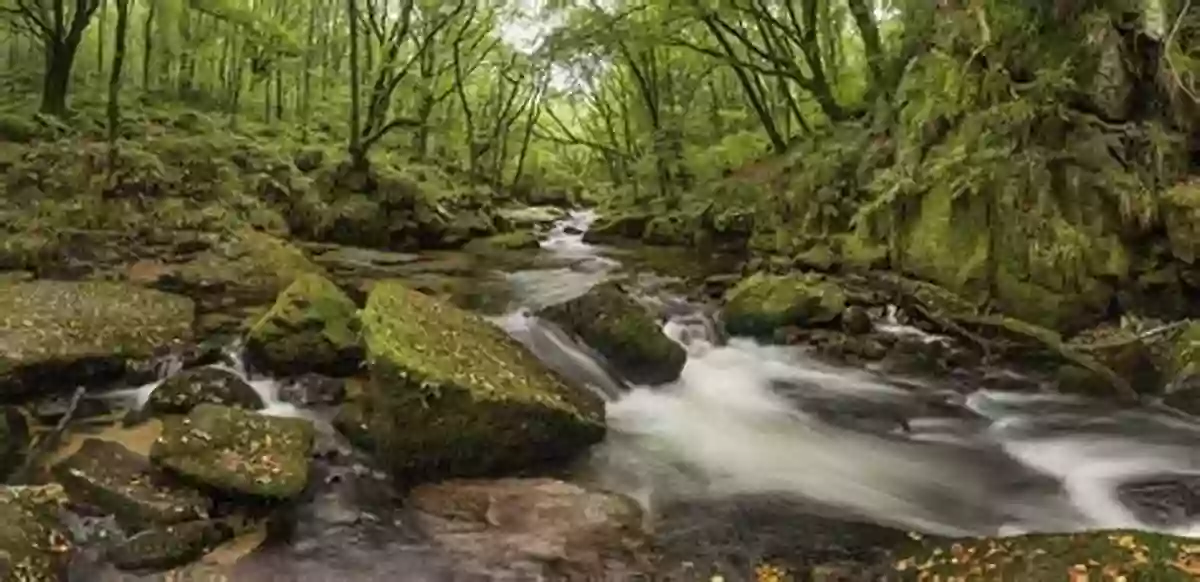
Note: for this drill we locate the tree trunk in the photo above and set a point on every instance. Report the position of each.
(148, 44)
(100, 38)
(118, 65)
(357, 156)
(60, 57)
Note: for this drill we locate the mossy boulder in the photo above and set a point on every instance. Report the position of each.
(238, 452)
(34, 546)
(450, 394)
(14, 439)
(180, 393)
(625, 333)
(248, 267)
(55, 335)
(762, 303)
(627, 226)
(108, 477)
(313, 327)
(530, 217)
(1183, 370)
(1101, 555)
(516, 240)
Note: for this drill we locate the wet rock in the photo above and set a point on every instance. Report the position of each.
(313, 327)
(168, 546)
(761, 303)
(855, 320)
(1167, 501)
(57, 334)
(572, 230)
(1111, 554)
(33, 545)
(180, 393)
(557, 529)
(313, 390)
(620, 329)
(14, 440)
(450, 394)
(110, 478)
(237, 451)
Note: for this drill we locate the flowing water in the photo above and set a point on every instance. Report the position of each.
(753, 440)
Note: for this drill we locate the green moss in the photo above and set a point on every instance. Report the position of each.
(182, 392)
(55, 332)
(34, 547)
(1181, 213)
(1104, 555)
(623, 331)
(237, 451)
(313, 327)
(109, 477)
(453, 395)
(761, 303)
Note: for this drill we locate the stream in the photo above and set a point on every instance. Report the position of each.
(760, 450)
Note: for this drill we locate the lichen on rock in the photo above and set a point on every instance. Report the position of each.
(236, 451)
(619, 328)
(313, 327)
(761, 304)
(55, 334)
(451, 394)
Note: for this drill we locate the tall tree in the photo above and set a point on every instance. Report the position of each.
(59, 26)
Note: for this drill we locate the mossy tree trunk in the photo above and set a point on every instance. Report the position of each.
(118, 67)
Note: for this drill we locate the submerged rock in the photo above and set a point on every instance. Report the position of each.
(761, 303)
(57, 334)
(237, 451)
(543, 526)
(14, 440)
(34, 547)
(1101, 555)
(451, 394)
(182, 392)
(313, 327)
(114, 480)
(619, 328)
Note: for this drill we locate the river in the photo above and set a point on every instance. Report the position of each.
(756, 450)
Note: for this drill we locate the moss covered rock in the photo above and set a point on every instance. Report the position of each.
(34, 547)
(14, 440)
(1181, 213)
(108, 477)
(248, 267)
(624, 332)
(453, 395)
(761, 303)
(628, 226)
(1183, 370)
(516, 240)
(530, 217)
(237, 451)
(182, 392)
(1103, 555)
(56, 334)
(313, 327)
